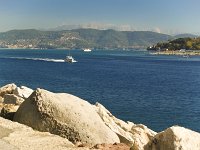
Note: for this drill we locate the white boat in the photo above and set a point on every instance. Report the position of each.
(186, 56)
(87, 50)
(70, 59)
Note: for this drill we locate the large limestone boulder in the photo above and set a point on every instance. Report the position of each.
(65, 115)
(15, 136)
(7, 89)
(23, 92)
(175, 138)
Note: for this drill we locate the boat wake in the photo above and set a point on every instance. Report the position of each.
(38, 59)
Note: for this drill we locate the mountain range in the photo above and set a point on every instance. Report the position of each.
(83, 38)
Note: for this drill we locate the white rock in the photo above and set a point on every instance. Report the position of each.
(7, 89)
(175, 138)
(15, 136)
(141, 135)
(134, 135)
(116, 125)
(65, 115)
(23, 92)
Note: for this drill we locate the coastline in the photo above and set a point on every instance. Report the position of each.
(177, 52)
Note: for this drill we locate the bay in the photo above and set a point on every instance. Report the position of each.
(155, 90)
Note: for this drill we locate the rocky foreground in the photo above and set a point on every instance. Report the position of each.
(34, 120)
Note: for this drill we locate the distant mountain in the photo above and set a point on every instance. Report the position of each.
(81, 38)
(185, 35)
(97, 26)
(22, 34)
(64, 27)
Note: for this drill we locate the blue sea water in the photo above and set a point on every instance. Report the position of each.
(158, 91)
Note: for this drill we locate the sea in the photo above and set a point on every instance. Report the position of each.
(155, 90)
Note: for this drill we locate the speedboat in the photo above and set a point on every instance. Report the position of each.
(70, 59)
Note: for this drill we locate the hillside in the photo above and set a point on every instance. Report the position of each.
(178, 44)
(80, 38)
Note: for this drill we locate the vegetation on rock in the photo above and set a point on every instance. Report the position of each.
(178, 44)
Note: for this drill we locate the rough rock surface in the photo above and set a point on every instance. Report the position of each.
(23, 92)
(8, 111)
(135, 135)
(65, 115)
(7, 89)
(114, 124)
(1, 99)
(12, 99)
(175, 138)
(1, 106)
(9, 102)
(115, 146)
(141, 135)
(15, 136)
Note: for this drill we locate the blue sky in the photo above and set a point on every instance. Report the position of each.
(169, 16)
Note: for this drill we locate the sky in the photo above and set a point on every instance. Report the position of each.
(165, 16)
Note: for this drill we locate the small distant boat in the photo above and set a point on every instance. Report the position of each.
(186, 56)
(87, 50)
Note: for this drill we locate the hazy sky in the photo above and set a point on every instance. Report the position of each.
(168, 16)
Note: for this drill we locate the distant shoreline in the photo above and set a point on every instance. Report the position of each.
(19, 48)
(111, 49)
(177, 52)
